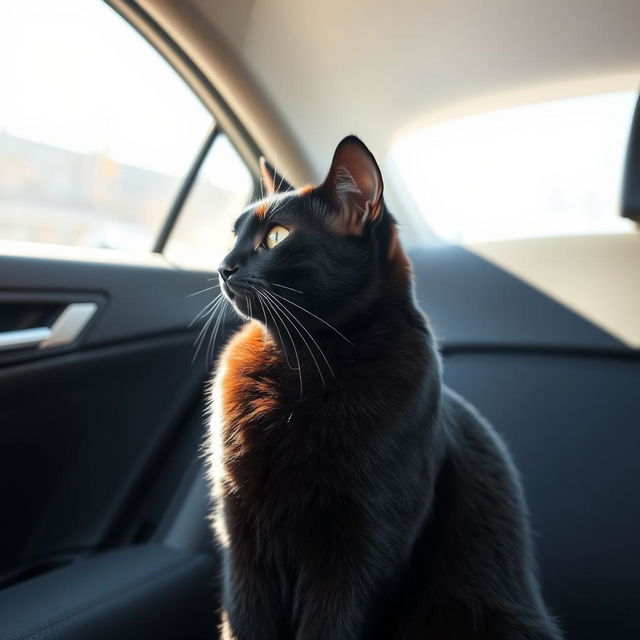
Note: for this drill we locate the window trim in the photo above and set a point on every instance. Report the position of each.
(185, 189)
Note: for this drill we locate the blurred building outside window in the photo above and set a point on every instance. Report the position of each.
(93, 145)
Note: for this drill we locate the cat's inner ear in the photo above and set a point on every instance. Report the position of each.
(272, 180)
(354, 185)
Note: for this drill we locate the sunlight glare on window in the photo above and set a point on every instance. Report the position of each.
(545, 169)
(96, 129)
(202, 234)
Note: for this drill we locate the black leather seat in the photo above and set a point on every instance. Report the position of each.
(566, 397)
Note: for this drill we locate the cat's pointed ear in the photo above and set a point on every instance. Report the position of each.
(273, 181)
(354, 185)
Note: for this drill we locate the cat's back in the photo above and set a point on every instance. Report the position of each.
(482, 509)
(471, 569)
(483, 481)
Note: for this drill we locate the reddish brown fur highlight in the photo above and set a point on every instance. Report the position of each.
(307, 188)
(248, 394)
(261, 210)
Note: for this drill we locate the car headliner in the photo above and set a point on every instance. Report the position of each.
(380, 68)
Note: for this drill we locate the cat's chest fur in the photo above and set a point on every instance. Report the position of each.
(262, 432)
(276, 454)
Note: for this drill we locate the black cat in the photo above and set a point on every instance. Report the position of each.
(357, 497)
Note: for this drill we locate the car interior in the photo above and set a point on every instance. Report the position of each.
(130, 136)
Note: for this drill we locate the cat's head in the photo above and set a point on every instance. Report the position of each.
(328, 249)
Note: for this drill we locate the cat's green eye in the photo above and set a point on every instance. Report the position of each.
(276, 235)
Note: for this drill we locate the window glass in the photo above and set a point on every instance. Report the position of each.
(547, 169)
(93, 146)
(202, 234)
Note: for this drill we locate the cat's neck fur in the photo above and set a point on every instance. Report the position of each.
(390, 324)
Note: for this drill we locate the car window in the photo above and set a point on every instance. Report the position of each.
(548, 169)
(223, 187)
(93, 146)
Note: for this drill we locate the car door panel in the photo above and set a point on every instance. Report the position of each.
(136, 592)
(83, 425)
(140, 298)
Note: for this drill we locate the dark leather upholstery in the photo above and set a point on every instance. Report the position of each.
(140, 592)
(565, 395)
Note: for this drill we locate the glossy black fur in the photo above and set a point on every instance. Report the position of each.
(374, 502)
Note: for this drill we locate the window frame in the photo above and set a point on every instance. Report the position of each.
(184, 190)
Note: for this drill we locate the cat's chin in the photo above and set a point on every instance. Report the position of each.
(243, 313)
(238, 301)
(228, 292)
(238, 304)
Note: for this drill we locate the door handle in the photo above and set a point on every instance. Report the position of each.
(23, 338)
(67, 327)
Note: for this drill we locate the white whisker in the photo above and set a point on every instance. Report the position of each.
(264, 313)
(275, 324)
(203, 311)
(197, 293)
(275, 284)
(212, 340)
(200, 339)
(314, 315)
(293, 317)
(275, 173)
(206, 324)
(293, 344)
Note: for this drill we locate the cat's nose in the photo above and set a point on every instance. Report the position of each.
(226, 272)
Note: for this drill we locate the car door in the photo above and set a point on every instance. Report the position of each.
(115, 183)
